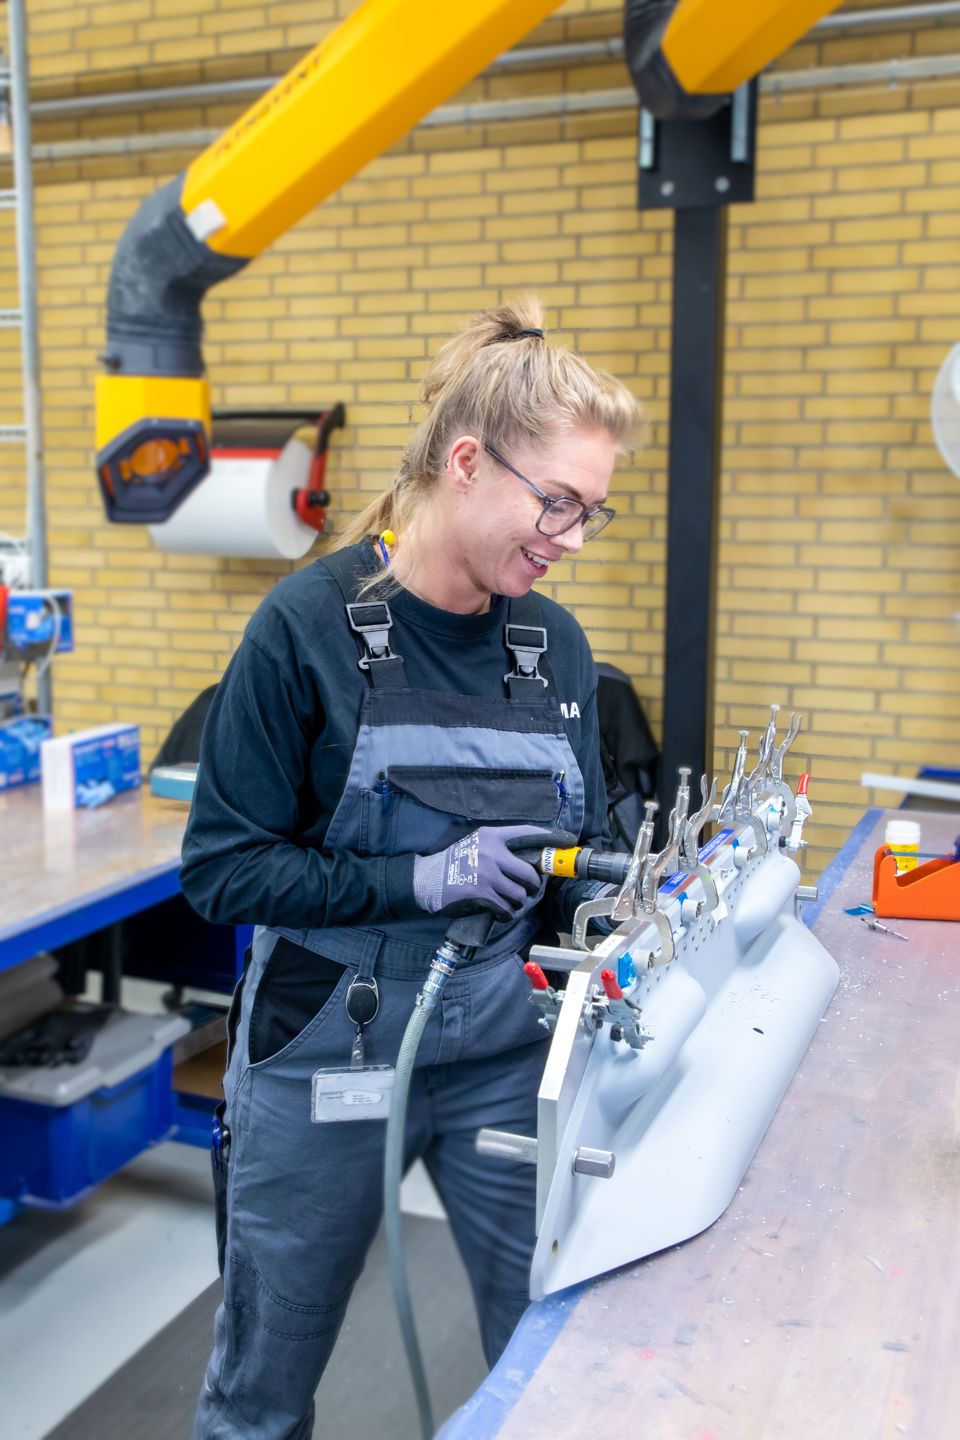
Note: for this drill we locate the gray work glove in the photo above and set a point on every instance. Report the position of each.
(481, 872)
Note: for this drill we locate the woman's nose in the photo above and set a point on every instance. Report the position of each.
(571, 540)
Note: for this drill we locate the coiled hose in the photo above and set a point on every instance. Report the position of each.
(393, 1223)
(462, 939)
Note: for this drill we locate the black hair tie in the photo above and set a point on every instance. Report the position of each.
(533, 333)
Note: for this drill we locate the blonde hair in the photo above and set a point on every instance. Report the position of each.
(506, 387)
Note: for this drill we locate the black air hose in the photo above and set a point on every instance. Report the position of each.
(644, 25)
(160, 274)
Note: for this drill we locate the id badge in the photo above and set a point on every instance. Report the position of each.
(350, 1093)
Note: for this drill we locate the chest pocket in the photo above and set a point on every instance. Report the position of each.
(427, 807)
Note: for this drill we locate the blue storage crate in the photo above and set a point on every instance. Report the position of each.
(73, 1132)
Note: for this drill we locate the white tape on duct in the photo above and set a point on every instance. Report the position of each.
(243, 508)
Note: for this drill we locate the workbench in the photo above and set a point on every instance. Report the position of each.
(69, 873)
(112, 874)
(823, 1303)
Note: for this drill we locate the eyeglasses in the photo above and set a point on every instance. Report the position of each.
(560, 513)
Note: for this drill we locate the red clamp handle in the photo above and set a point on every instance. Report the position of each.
(536, 976)
(610, 987)
(804, 782)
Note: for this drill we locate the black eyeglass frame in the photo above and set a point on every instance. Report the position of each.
(583, 518)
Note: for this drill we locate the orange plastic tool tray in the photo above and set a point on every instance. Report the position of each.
(931, 892)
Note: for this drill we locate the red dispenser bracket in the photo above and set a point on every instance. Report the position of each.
(310, 500)
(930, 892)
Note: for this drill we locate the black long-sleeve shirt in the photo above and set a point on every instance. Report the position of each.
(279, 738)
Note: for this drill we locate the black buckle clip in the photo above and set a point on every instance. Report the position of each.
(371, 622)
(526, 644)
(362, 1001)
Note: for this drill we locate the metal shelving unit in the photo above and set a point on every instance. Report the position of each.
(15, 98)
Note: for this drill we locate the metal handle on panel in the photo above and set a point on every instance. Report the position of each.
(506, 1146)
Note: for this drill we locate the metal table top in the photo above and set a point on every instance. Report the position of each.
(65, 874)
(823, 1302)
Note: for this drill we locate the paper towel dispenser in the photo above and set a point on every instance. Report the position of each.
(265, 496)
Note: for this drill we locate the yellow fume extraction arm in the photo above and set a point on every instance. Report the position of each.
(352, 97)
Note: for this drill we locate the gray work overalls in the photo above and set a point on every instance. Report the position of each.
(303, 1201)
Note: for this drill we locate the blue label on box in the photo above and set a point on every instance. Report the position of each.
(38, 620)
(106, 765)
(20, 741)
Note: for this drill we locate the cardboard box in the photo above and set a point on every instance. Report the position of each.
(20, 741)
(86, 769)
(38, 621)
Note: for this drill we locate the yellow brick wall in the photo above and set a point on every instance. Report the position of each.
(838, 578)
(79, 48)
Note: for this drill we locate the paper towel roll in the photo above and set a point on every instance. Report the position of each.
(243, 508)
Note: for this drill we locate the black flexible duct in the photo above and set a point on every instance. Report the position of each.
(644, 25)
(160, 274)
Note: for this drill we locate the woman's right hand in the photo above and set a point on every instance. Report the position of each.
(480, 872)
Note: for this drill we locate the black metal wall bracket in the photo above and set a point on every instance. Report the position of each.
(695, 168)
(699, 164)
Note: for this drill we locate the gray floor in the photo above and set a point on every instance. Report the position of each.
(92, 1284)
(152, 1396)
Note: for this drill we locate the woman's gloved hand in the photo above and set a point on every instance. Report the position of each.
(482, 872)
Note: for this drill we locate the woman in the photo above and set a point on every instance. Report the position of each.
(398, 714)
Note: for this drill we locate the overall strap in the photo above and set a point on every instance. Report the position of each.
(526, 641)
(370, 620)
(362, 1000)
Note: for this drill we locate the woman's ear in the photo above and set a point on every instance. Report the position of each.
(463, 461)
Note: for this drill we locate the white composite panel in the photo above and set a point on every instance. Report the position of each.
(730, 1018)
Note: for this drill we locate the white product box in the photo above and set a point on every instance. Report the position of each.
(86, 769)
